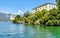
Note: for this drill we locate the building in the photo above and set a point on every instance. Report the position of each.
(47, 6)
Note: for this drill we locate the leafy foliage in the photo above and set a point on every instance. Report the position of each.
(27, 14)
(58, 4)
(17, 19)
(44, 17)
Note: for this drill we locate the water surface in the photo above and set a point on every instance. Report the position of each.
(10, 30)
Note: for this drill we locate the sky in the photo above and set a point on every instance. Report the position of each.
(21, 6)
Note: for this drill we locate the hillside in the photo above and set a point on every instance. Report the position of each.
(4, 16)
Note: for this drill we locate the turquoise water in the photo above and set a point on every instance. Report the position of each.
(10, 30)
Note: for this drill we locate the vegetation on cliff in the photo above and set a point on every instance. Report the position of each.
(44, 17)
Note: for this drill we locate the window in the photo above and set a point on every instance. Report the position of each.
(49, 6)
(35, 9)
(45, 6)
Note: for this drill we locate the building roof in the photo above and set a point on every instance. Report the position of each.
(43, 5)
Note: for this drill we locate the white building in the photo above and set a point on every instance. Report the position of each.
(47, 6)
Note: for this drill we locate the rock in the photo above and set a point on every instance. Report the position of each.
(37, 22)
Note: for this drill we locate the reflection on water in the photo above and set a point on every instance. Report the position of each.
(10, 30)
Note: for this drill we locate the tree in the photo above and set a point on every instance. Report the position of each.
(17, 19)
(58, 4)
(17, 16)
(27, 14)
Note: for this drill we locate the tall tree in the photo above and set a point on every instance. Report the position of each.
(27, 14)
(58, 4)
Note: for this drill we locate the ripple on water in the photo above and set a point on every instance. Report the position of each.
(10, 30)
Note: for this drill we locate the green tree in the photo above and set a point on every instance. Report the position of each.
(27, 14)
(17, 19)
(17, 16)
(58, 4)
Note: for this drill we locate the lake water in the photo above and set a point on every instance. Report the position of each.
(10, 30)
